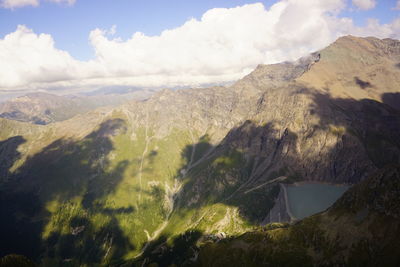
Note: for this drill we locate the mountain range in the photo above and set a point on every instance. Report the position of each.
(44, 108)
(194, 176)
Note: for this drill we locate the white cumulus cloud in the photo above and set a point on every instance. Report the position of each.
(26, 57)
(18, 3)
(364, 4)
(223, 45)
(68, 2)
(12, 4)
(397, 7)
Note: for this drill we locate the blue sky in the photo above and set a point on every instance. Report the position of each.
(384, 11)
(70, 25)
(68, 44)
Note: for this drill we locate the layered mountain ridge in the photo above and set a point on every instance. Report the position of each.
(117, 184)
(45, 108)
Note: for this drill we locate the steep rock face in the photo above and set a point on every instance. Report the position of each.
(114, 183)
(278, 74)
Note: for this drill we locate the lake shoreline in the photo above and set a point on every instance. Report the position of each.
(282, 210)
(316, 182)
(289, 202)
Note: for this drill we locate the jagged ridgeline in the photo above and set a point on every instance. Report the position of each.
(148, 182)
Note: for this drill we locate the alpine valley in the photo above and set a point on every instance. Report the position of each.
(201, 177)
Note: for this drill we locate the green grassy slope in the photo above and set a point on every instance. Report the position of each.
(95, 199)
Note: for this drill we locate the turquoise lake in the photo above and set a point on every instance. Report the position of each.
(307, 199)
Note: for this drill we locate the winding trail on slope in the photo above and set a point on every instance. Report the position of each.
(193, 150)
(146, 147)
(279, 179)
(172, 194)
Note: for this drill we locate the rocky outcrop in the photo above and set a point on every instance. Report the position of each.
(279, 212)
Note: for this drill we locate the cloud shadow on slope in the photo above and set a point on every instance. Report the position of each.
(233, 172)
(376, 126)
(9, 154)
(362, 84)
(219, 173)
(392, 99)
(65, 171)
(223, 174)
(176, 251)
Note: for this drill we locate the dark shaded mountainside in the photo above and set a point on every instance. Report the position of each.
(155, 182)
